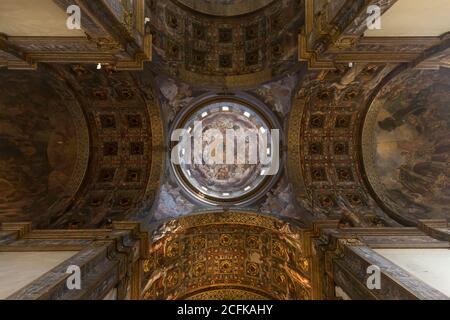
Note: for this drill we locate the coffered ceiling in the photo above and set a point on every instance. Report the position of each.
(307, 62)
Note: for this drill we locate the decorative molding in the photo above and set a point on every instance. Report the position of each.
(108, 258)
(336, 35)
(22, 228)
(342, 255)
(112, 38)
(438, 229)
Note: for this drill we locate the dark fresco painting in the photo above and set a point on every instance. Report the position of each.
(412, 145)
(37, 147)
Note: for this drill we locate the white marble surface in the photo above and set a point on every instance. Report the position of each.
(429, 265)
(17, 269)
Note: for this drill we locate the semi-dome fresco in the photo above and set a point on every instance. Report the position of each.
(407, 145)
(43, 144)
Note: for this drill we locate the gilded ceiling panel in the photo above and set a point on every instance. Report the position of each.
(225, 51)
(213, 254)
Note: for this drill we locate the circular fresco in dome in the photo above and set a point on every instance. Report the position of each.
(226, 151)
(406, 145)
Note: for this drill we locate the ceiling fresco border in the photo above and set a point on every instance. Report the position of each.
(228, 293)
(248, 218)
(158, 147)
(83, 144)
(224, 291)
(294, 148)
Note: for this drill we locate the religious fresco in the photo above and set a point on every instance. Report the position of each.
(38, 147)
(408, 159)
(279, 200)
(278, 94)
(207, 169)
(175, 97)
(220, 178)
(86, 152)
(172, 203)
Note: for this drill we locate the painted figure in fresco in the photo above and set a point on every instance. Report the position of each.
(398, 119)
(414, 148)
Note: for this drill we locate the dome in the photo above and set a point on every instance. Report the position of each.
(229, 152)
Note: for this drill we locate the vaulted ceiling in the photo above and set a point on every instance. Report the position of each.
(83, 146)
